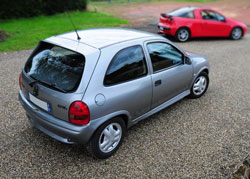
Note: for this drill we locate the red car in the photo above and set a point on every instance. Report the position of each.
(189, 22)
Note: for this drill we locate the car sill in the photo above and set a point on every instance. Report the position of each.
(162, 106)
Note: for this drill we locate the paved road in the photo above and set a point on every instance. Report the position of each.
(202, 138)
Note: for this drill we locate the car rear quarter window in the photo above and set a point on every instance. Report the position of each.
(164, 56)
(127, 64)
(189, 14)
(56, 67)
(183, 12)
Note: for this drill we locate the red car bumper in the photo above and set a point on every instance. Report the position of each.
(166, 29)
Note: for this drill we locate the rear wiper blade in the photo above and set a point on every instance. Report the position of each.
(33, 80)
(52, 85)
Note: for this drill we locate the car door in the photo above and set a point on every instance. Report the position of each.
(214, 24)
(170, 75)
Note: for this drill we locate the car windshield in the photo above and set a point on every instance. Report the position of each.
(183, 12)
(56, 67)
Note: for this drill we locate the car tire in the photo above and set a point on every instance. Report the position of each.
(182, 34)
(236, 33)
(107, 139)
(199, 86)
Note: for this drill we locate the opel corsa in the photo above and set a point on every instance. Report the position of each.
(90, 90)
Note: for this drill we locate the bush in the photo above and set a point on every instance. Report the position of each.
(29, 8)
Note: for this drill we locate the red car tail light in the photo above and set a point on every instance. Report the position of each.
(79, 113)
(20, 81)
(163, 15)
(169, 17)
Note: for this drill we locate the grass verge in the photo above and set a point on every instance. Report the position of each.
(25, 33)
(107, 2)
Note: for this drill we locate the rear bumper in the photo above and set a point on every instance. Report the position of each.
(163, 28)
(56, 128)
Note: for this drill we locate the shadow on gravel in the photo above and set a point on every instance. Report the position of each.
(244, 170)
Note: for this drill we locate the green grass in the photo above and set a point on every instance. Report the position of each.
(25, 33)
(105, 2)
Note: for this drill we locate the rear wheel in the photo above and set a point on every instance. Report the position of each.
(199, 86)
(107, 138)
(236, 33)
(182, 35)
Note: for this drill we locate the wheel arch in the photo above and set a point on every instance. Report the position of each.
(184, 27)
(124, 115)
(205, 70)
(237, 26)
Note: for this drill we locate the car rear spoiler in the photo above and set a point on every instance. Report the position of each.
(167, 16)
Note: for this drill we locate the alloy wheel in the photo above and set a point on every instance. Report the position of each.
(183, 35)
(236, 33)
(200, 85)
(110, 137)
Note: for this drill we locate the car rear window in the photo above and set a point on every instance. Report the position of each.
(56, 67)
(183, 12)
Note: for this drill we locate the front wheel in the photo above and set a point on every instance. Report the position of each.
(107, 139)
(182, 35)
(199, 86)
(236, 33)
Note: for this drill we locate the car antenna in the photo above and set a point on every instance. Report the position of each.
(78, 37)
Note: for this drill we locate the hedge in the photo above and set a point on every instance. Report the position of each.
(29, 8)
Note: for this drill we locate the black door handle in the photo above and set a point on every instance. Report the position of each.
(158, 82)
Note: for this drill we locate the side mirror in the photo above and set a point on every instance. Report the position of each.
(187, 60)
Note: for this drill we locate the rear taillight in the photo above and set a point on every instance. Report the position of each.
(20, 81)
(163, 15)
(79, 113)
(167, 17)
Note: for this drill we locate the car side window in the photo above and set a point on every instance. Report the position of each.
(164, 55)
(209, 15)
(220, 17)
(127, 64)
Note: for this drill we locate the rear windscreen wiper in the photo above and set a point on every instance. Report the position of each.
(51, 85)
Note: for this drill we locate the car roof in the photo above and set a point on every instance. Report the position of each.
(102, 37)
(187, 8)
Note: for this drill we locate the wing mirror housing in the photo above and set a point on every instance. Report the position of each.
(187, 60)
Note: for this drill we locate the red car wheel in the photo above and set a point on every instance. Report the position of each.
(236, 33)
(182, 35)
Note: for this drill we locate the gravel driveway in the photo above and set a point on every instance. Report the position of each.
(140, 14)
(203, 138)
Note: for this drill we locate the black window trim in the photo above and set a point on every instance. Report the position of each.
(164, 69)
(146, 74)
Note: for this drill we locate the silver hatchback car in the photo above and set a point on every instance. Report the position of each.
(90, 90)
